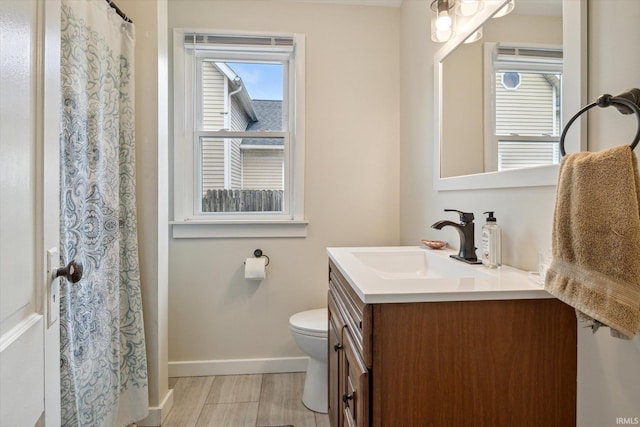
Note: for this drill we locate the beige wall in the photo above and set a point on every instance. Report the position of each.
(351, 182)
(609, 369)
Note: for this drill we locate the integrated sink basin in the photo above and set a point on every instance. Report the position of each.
(419, 274)
(413, 262)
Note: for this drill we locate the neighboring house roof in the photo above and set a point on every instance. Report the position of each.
(269, 114)
(269, 117)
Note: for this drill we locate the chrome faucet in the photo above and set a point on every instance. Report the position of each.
(467, 252)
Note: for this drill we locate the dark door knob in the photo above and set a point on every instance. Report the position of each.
(72, 272)
(347, 397)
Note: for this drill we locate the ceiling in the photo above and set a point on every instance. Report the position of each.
(386, 3)
(526, 7)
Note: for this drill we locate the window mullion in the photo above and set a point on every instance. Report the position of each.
(528, 138)
(239, 134)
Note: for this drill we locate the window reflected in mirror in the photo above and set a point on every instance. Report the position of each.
(526, 100)
(501, 96)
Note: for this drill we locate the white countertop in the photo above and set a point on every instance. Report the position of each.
(470, 282)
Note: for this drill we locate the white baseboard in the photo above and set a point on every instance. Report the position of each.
(157, 415)
(198, 368)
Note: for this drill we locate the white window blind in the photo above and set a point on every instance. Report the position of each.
(508, 56)
(205, 40)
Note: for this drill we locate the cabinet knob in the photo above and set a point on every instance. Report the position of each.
(347, 397)
(337, 347)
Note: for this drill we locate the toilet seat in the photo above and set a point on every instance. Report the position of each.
(313, 323)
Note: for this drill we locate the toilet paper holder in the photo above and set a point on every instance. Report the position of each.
(259, 254)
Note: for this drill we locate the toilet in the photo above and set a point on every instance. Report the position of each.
(309, 331)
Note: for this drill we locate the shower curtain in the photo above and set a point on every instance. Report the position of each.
(103, 358)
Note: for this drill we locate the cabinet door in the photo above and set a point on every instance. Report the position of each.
(355, 397)
(335, 350)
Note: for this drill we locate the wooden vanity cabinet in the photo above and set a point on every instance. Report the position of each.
(355, 397)
(349, 371)
(453, 363)
(334, 335)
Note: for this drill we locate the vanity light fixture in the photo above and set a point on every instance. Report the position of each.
(477, 35)
(444, 12)
(443, 20)
(470, 7)
(506, 9)
(464, 23)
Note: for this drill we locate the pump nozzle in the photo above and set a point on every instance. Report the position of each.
(490, 218)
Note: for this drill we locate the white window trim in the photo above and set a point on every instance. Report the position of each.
(490, 137)
(187, 223)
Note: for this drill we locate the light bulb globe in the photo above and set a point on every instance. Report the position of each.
(443, 22)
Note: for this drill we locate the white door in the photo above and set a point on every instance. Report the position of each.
(29, 212)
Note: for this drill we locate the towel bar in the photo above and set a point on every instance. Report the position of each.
(627, 103)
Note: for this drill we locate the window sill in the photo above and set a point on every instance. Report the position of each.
(238, 229)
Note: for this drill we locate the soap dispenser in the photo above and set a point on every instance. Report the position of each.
(491, 243)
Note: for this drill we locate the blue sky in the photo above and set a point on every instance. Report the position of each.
(263, 81)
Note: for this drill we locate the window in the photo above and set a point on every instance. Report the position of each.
(511, 80)
(238, 131)
(525, 99)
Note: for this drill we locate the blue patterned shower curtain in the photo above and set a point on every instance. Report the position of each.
(103, 358)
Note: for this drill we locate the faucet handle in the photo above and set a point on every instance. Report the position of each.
(465, 217)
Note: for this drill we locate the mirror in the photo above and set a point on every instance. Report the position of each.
(472, 84)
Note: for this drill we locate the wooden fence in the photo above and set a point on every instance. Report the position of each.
(242, 201)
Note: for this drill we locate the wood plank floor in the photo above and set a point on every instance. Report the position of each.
(262, 400)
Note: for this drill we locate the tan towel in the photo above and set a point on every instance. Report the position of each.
(596, 238)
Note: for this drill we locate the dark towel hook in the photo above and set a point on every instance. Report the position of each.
(627, 103)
